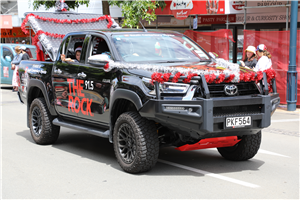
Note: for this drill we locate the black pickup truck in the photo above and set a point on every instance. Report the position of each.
(144, 90)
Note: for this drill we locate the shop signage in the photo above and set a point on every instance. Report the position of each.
(181, 8)
(198, 7)
(235, 7)
(14, 32)
(263, 18)
(215, 19)
(6, 21)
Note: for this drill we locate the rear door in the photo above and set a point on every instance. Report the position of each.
(97, 83)
(6, 72)
(64, 78)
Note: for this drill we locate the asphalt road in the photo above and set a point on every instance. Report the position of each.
(82, 166)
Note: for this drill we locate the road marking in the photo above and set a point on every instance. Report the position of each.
(271, 153)
(285, 120)
(206, 173)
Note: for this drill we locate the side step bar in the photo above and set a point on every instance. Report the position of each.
(94, 131)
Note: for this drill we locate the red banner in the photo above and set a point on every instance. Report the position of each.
(278, 43)
(199, 7)
(216, 41)
(14, 32)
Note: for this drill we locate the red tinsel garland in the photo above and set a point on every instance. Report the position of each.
(176, 77)
(270, 74)
(36, 37)
(230, 78)
(242, 76)
(68, 21)
(259, 76)
(156, 77)
(247, 77)
(210, 78)
(106, 66)
(220, 79)
(166, 77)
(189, 77)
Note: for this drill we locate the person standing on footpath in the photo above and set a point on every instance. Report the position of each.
(25, 55)
(15, 66)
(250, 58)
(264, 61)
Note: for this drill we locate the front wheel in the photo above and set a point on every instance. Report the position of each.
(40, 122)
(244, 150)
(136, 143)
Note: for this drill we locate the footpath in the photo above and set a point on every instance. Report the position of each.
(283, 108)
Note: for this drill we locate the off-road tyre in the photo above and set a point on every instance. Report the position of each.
(40, 122)
(243, 150)
(136, 143)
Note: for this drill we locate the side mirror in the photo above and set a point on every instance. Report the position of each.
(8, 58)
(213, 55)
(99, 60)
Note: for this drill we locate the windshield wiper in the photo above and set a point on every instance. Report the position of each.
(172, 61)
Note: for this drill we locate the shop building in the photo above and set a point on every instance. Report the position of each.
(212, 15)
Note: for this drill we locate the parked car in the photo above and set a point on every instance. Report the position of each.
(7, 55)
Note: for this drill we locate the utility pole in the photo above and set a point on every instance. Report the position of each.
(291, 94)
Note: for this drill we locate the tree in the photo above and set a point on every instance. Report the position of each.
(133, 11)
(105, 8)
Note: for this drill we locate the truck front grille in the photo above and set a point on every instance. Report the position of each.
(244, 88)
(225, 111)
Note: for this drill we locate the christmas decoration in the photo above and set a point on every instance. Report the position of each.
(221, 71)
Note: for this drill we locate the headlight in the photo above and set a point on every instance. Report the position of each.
(167, 87)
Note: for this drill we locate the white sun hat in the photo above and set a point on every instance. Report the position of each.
(251, 49)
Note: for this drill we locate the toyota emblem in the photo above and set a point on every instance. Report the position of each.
(230, 89)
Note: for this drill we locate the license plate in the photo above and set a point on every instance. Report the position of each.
(236, 122)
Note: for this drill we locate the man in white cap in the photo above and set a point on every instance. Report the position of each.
(23, 41)
(25, 55)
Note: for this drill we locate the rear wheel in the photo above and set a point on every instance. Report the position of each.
(40, 122)
(136, 143)
(244, 150)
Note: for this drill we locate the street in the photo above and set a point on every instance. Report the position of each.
(83, 166)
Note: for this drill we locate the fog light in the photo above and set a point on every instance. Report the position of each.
(190, 109)
(174, 108)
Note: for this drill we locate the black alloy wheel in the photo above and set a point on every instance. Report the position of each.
(40, 123)
(126, 143)
(136, 142)
(36, 121)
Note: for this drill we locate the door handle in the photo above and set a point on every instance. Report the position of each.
(82, 75)
(57, 71)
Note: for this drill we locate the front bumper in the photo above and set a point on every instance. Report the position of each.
(205, 118)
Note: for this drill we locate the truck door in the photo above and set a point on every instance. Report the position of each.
(6, 58)
(97, 84)
(64, 78)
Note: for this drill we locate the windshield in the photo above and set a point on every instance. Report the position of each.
(157, 48)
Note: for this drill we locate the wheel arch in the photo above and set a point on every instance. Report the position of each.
(36, 89)
(122, 101)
